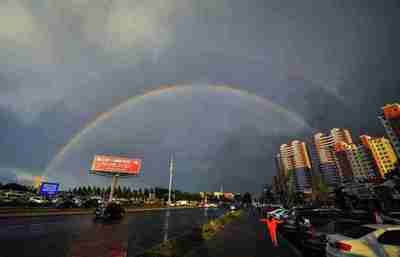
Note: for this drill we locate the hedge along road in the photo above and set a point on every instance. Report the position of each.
(81, 236)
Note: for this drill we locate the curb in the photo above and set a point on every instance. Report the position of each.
(39, 214)
(83, 212)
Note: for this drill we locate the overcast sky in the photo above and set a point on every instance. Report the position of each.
(247, 76)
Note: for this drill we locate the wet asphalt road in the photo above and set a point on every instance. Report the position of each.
(81, 236)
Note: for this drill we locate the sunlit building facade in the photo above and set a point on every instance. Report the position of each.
(344, 162)
(382, 152)
(331, 171)
(315, 168)
(281, 175)
(391, 121)
(357, 162)
(362, 162)
(296, 166)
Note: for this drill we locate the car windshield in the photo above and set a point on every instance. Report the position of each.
(172, 128)
(358, 231)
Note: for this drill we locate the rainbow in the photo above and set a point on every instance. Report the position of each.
(157, 92)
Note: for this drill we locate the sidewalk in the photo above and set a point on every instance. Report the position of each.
(246, 237)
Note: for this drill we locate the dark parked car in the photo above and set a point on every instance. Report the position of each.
(295, 218)
(269, 208)
(66, 204)
(90, 203)
(111, 211)
(316, 237)
(308, 228)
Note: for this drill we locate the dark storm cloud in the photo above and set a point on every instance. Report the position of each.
(194, 124)
(64, 62)
(244, 159)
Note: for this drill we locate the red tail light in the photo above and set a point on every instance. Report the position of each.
(312, 230)
(342, 246)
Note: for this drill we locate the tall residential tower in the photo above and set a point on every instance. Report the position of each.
(330, 166)
(391, 121)
(382, 152)
(296, 166)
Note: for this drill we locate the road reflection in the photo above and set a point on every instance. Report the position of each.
(166, 225)
(80, 236)
(102, 240)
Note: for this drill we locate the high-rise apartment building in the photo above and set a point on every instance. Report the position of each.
(280, 173)
(315, 168)
(391, 121)
(331, 171)
(362, 162)
(382, 152)
(358, 161)
(343, 160)
(296, 166)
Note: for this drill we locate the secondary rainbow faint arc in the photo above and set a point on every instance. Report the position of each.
(173, 88)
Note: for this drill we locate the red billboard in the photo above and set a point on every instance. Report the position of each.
(114, 164)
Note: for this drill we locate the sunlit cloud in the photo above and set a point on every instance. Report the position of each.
(16, 24)
(140, 26)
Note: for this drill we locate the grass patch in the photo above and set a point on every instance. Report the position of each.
(182, 245)
(213, 227)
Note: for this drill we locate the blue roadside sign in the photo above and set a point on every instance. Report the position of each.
(49, 189)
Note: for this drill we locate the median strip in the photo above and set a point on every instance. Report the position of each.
(183, 244)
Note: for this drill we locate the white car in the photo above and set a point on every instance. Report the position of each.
(277, 213)
(280, 215)
(276, 210)
(367, 240)
(36, 199)
(212, 205)
(78, 201)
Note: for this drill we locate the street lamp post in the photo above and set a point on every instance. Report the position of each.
(171, 170)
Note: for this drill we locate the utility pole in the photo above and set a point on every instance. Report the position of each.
(171, 170)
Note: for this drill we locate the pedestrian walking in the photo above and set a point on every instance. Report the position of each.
(272, 225)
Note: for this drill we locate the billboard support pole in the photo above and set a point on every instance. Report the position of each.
(171, 170)
(113, 185)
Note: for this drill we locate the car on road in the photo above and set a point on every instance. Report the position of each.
(182, 203)
(65, 204)
(90, 203)
(278, 213)
(314, 237)
(77, 201)
(37, 199)
(270, 208)
(211, 205)
(275, 210)
(308, 228)
(110, 211)
(234, 207)
(367, 240)
(294, 218)
(13, 195)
